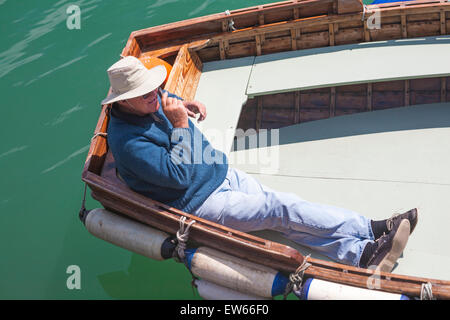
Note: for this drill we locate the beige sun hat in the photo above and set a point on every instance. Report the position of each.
(129, 78)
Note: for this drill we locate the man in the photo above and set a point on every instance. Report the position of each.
(151, 138)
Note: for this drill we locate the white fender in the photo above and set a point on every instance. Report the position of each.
(315, 289)
(127, 233)
(235, 273)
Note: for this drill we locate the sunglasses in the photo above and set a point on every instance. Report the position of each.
(147, 95)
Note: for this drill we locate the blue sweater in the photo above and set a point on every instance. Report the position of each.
(162, 162)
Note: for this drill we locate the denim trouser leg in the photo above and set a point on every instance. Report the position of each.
(242, 203)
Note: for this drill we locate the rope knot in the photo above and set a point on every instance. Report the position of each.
(296, 278)
(182, 238)
(426, 292)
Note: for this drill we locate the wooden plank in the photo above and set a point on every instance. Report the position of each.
(259, 112)
(294, 39)
(443, 22)
(366, 31)
(349, 6)
(222, 50)
(332, 101)
(186, 68)
(443, 89)
(331, 33)
(296, 13)
(297, 107)
(173, 49)
(258, 45)
(369, 96)
(407, 93)
(192, 77)
(403, 22)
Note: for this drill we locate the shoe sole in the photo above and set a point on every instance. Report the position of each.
(415, 222)
(398, 244)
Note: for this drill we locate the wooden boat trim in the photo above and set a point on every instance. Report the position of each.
(364, 278)
(399, 9)
(203, 232)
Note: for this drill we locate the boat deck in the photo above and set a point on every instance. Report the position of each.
(377, 163)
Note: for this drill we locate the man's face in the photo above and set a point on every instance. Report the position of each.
(148, 103)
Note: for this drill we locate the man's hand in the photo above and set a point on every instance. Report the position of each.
(175, 111)
(194, 107)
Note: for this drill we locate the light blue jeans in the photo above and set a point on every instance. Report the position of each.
(242, 203)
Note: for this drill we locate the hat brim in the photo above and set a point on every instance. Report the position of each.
(155, 78)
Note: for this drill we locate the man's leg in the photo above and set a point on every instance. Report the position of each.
(244, 204)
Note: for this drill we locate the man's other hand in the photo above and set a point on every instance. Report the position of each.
(194, 107)
(175, 111)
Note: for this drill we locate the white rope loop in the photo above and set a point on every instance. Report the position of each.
(182, 237)
(231, 26)
(101, 134)
(426, 292)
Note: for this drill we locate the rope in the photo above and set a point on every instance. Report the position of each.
(82, 212)
(231, 26)
(102, 134)
(182, 237)
(426, 292)
(296, 278)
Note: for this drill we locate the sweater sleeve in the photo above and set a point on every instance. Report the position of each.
(159, 166)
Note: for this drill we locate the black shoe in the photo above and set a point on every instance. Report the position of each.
(389, 247)
(412, 216)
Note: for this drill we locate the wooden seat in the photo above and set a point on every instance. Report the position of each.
(222, 89)
(349, 64)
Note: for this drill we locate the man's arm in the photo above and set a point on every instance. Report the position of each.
(193, 107)
(159, 166)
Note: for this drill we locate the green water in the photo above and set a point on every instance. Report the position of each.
(52, 80)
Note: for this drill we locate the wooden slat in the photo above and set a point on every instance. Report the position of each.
(366, 31)
(259, 101)
(332, 101)
(369, 96)
(296, 13)
(443, 89)
(407, 93)
(225, 25)
(297, 106)
(185, 74)
(294, 39)
(443, 22)
(222, 50)
(258, 45)
(192, 77)
(404, 29)
(331, 33)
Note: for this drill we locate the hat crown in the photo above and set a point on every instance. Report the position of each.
(129, 78)
(126, 74)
